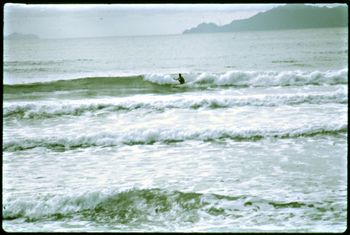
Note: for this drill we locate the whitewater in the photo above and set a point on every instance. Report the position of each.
(99, 137)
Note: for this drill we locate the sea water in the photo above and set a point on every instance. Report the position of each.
(98, 136)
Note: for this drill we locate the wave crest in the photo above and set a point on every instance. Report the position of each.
(257, 78)
(141, 205)
(167, 136)
(42, 111)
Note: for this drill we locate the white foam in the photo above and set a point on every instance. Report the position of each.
(161, 135)
(36, 207)
(28, 110)
(255, 78)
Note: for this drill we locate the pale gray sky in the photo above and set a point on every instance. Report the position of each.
(85, 20)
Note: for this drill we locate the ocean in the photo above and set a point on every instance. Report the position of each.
(98, 136)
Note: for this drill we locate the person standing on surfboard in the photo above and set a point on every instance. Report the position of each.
(180, 79)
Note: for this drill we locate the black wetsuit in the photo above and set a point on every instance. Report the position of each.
(181, 80)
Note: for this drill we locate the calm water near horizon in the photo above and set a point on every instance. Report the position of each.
(98, 136)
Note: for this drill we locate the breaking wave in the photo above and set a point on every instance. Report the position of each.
(166, 136)
(162, 83)
(258, 79)
(142, 206)
(40, 111)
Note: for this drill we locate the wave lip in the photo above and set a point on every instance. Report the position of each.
(166, 136)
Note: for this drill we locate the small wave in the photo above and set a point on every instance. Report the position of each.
(143, 205)
(166, 136)
(34, 111)
(283, 61)
(160, 83)
(41, 111)
(19, 63)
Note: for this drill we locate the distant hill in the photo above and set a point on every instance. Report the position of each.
(17, 36)
(290, 16)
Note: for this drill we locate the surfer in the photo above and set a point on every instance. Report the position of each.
(180, 79)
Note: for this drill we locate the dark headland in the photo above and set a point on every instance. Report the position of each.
(290, 16)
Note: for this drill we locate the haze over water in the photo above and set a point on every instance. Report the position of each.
(98, 136)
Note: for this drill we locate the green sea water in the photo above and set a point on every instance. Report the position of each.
(98, 136)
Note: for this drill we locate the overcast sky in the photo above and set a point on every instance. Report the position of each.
(73, 20)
